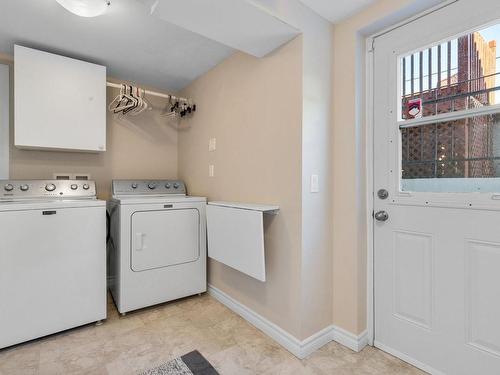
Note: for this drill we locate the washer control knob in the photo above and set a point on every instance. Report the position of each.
(152, 185)
(50, 187)
(74, 186)
(176, 185)
(134, 186)
(24, 187)
(167, 185)
(86, 186)
(8, 187)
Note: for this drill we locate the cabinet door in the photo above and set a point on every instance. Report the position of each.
(60, 103)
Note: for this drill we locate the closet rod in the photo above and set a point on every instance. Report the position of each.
(148, 92)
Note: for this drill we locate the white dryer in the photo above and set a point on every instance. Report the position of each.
(53, 258)
(157, 243)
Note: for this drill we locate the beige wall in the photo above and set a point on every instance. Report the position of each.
(143, 146)
(349, 145)
(254, 109)
(314, 252)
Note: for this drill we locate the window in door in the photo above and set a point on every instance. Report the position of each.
(460, 76)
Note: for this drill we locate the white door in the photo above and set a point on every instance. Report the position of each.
(164, 238)
(437, 156)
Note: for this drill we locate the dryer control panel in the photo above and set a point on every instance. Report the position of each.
(148, 187)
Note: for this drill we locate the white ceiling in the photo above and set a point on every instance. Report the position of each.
(229, 22)
(133, 44)
(336, 10)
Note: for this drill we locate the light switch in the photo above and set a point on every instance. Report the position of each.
(211, 170)
(212, 144)
(314, 183)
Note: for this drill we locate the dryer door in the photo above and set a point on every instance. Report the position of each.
(164, 238)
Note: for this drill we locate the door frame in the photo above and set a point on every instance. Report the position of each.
(368, 115)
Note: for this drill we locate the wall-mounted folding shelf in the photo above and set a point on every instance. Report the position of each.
(236, 235)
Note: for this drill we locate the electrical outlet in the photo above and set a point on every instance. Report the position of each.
(314, 183)
(211, 170)
(212, 144)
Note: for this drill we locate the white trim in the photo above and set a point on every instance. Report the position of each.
(369, 158)
(4, 120)
(449, 116)
(299, 348)
(346, 338)
(415, 17)
(314, 342)
(408, 359)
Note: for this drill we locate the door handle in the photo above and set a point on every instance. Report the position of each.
(381, 216)
(139, 241)
(383, 194)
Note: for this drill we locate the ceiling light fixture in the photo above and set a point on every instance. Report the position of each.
(85, 8)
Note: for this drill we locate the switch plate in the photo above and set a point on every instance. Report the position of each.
(211, 170)
(314, 183)
(212, 144)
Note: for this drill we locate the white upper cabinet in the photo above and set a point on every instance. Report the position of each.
(59, 102)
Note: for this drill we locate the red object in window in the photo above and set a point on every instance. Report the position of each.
(414, 108)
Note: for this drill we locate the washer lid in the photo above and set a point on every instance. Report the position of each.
(49, 204)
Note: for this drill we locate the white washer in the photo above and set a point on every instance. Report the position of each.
(157, 243)
(53, 258)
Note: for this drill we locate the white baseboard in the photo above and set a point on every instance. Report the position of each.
(299, 348)
(346, 338)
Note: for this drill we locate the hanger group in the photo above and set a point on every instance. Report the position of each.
(178, 107)
(132, 100)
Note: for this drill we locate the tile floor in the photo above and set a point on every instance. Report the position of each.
(145, 338)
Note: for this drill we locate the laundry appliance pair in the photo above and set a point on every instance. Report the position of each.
(53, 251)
